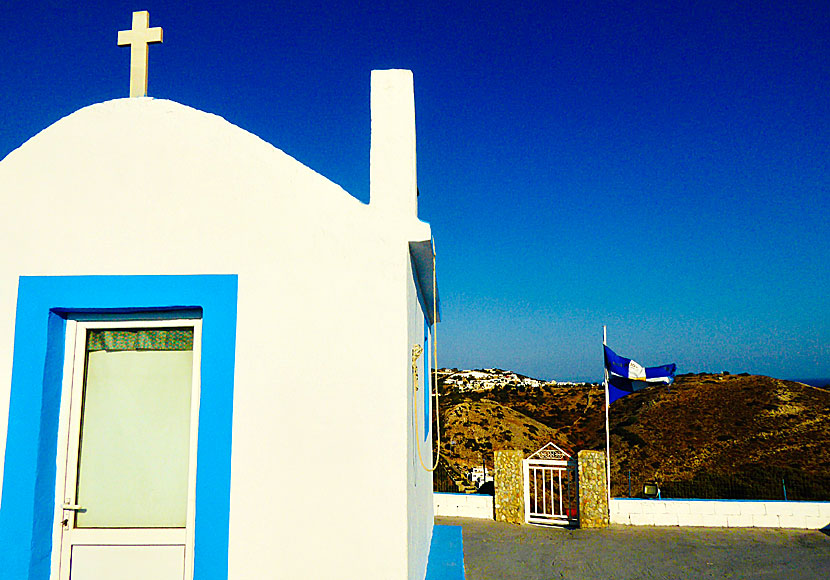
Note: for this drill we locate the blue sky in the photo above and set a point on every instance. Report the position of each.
(661, 170)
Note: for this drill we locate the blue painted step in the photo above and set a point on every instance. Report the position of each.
(446, 554)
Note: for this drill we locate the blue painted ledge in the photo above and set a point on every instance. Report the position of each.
(446, 554)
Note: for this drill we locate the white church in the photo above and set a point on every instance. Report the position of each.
(196, 332)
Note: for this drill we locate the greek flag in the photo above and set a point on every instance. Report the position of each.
(626, 376)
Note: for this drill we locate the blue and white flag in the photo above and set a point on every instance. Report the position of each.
(626, 376)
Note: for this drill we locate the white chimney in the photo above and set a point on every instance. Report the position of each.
(393, 182)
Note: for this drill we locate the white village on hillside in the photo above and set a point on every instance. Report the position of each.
(489, 379)
(485, 379)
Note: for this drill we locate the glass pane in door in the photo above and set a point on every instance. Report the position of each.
(135, 434)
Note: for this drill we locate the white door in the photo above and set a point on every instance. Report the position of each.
(127, 449)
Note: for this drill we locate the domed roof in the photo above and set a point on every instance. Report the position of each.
(159, 144)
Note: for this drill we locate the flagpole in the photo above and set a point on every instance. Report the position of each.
(607, 429)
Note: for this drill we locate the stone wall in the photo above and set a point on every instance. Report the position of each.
(509, 483)
(593, 490)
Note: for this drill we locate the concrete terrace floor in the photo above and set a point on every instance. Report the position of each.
(497, 551)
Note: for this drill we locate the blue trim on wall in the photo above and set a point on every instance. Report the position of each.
(446, 554)
(28, 500)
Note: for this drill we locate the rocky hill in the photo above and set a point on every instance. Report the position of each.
(708, 429)
(471, 430)
(568, 414)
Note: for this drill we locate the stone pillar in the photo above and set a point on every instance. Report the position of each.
(509, 501)
(593, 490)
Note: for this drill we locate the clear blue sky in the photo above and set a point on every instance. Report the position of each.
(660, 170)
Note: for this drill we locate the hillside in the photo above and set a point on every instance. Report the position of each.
(570, 413)
(716, 428)
(709, 426)
(471, 430)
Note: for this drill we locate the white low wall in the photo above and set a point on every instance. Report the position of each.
(720, 513)
(465, 505)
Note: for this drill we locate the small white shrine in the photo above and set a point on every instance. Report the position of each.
(198, 335)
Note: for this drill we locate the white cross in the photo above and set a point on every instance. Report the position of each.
(138, 38)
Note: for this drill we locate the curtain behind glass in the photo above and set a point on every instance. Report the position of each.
(140, 339)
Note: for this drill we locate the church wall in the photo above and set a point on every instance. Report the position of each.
(419, 485)
(320, 392)
(333, 473)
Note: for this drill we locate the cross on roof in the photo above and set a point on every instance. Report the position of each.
(138, 38)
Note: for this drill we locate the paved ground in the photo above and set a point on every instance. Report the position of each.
(496, 551)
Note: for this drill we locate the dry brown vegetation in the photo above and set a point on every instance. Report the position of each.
(703, 425)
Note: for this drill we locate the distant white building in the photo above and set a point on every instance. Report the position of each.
(478, 476)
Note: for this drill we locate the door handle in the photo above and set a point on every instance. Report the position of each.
(73, 507)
